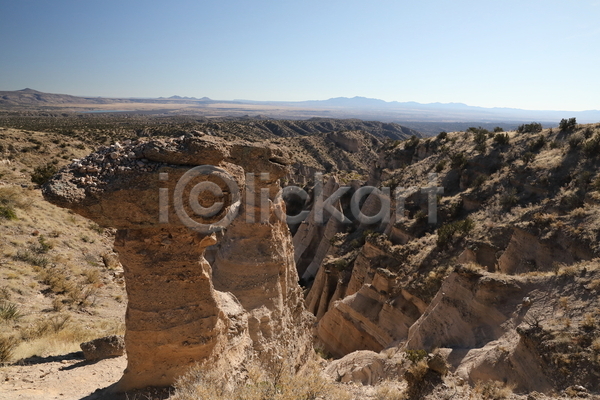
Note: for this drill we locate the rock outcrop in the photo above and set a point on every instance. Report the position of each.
(181, 309)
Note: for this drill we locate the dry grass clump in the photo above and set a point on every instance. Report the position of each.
(567, 270)
(14, 196)
(492, 390)
(7, 347)
(595, 284)
(388, 391)
(596, 345)
(276, 383)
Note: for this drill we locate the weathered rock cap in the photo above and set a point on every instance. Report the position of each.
(118, 186)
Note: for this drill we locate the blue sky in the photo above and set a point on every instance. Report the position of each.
(522, 54)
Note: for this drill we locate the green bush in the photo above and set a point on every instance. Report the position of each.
(567, 125)
(43, 173)
(533, 127)
(439, 167)
(501, 138)
(412, 142)
(479, 130)
(538, 144)
(498, 129)
(591, 148)
(7, 212)
(442, 135)
(447, 231)
(575, 141)
(528, 157)
(509, 198)
(415, 356)
(480, 141)
(458, 160)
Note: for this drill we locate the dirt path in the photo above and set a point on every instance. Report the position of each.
(66, 377)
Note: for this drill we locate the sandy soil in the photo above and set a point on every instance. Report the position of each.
(66, 377)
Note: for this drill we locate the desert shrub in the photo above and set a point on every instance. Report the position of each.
(42, 174)
(596, 183)
(596, 345)
(567, 125)
(538, 144)
(528, 157)
(480, 137)
(9, 311)
(533, 127)
(412, 142)
(498, 129)
(492, 390)
(592, 147)
(387, 391)
(7, 212)
(42, 247)
(11, 197)
(92, 275)
(555, 144)
(575, 141)
(32, 258)
(458, 161)
(479, 180)
(439, 167)
(588, 132)
(583, 179)
(479, 130)
(96, 228)
(481, 147)
(45, 326)
(415, 356)
(589, 322)
(571, 200)
(278, 382)
(7, 346)
(501, 138)
(442, 135)
(447, 231)
(509, 198)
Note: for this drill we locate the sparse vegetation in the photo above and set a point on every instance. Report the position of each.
(447, 232)
(7, 347)
(533, 127)
(501, 138)
(458, 161)
(439, 167)
(43, 173)
(9, 311)
(567, 125)
(278, 382)
(492, 390)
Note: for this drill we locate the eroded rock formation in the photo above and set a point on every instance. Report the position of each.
(181, 309)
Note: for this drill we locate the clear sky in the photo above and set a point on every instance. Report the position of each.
(525, 54)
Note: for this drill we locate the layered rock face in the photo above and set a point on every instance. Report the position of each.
(181, 309)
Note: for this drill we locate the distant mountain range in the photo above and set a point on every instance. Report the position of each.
(339, 107)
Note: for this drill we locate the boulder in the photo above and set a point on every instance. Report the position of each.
(106, 347)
